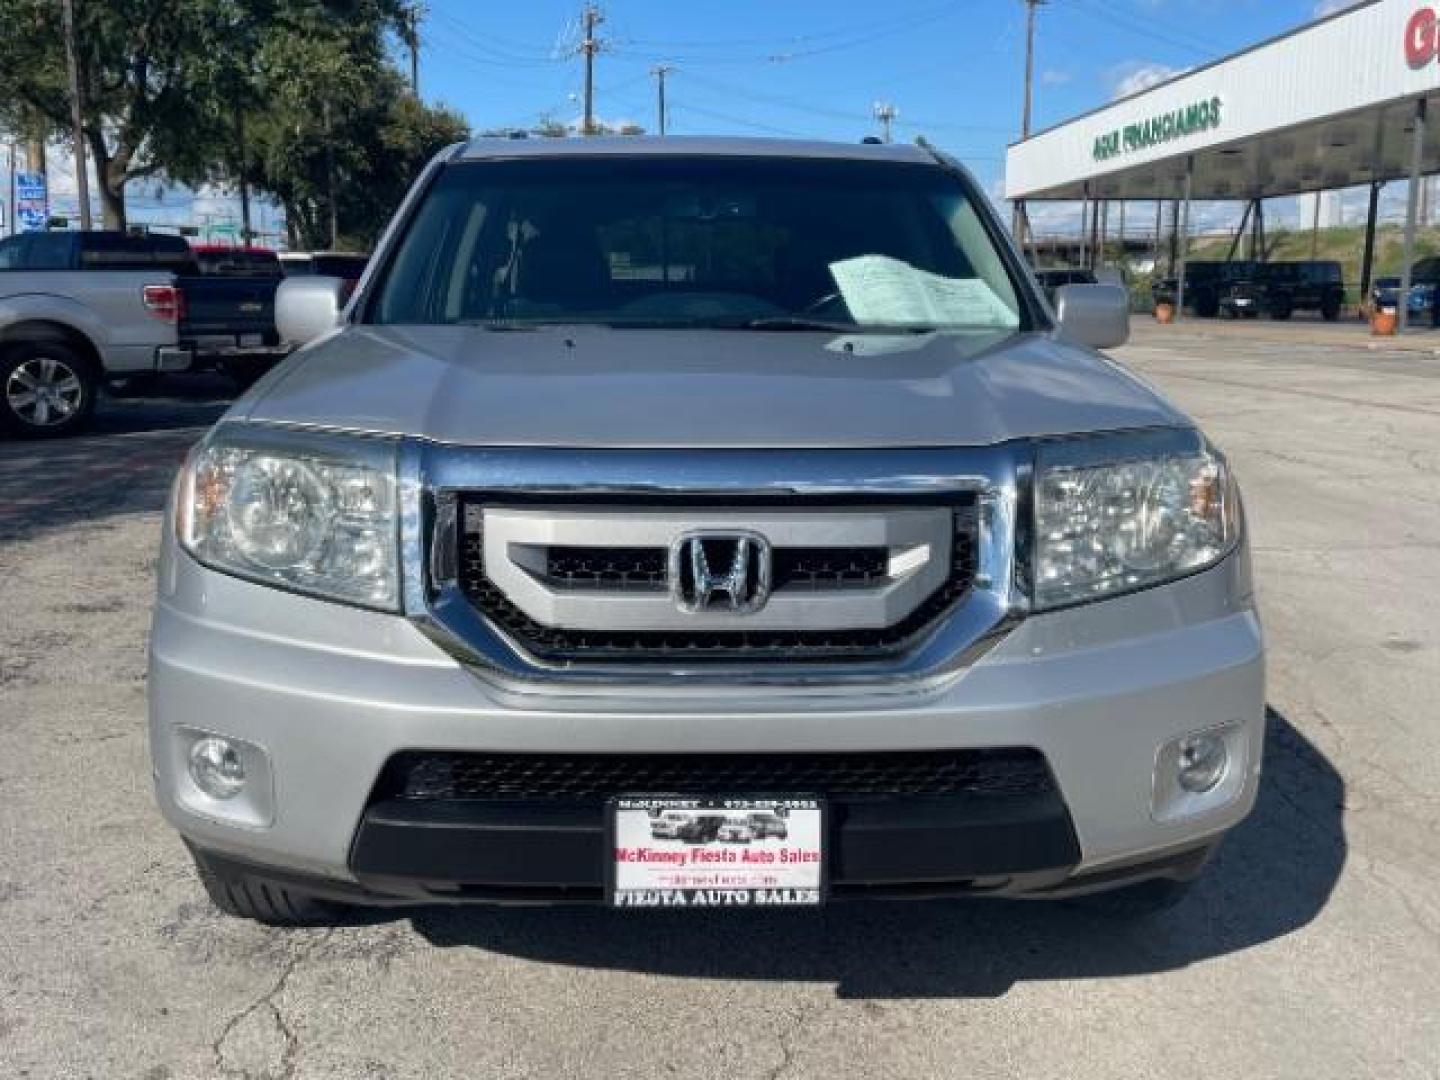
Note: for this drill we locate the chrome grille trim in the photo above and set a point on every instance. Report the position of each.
(517, 542)
(996, 478)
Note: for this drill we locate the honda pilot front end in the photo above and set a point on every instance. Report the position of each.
(702, 523)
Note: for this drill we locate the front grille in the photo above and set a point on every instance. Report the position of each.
(426, 776)
(644, 568)
(819, 568)
(618, 568)
(606, 568)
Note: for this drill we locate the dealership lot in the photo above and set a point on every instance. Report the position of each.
(1312, 949)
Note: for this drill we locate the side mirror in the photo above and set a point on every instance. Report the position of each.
(308, 307)
(1093, 315)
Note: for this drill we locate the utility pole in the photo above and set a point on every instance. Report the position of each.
(12, 190)
(82, 181)
(330, 181)
(244, 177)
(1030, 9)
(886, 114)
(660, 71)
(410, 35)
(589, 47)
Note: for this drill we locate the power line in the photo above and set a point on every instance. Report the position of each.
(486, 53)
(828, 113)
(1188, 43)
(756, 125)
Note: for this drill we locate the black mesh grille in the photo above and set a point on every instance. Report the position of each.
(593, 777)
(606, 568)
(801, 567)
(828, 567)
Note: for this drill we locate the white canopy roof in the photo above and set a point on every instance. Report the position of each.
(1330, 105)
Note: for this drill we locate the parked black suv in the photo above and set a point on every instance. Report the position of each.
(1206, 283)
(1283, 288)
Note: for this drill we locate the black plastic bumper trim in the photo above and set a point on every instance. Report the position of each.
(469, 846)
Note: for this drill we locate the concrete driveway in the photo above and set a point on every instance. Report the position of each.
(1312, 949)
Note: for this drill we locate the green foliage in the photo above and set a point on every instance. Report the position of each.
(298, 97)
(148, 104)
(338, 119)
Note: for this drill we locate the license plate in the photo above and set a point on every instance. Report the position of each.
(248, 341)
(742, 851)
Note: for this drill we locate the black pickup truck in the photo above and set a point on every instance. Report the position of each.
(229, 316)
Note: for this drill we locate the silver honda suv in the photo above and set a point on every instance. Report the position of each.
(723, 477)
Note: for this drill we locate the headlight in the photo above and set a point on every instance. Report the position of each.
(1164, 506)
(316, 514)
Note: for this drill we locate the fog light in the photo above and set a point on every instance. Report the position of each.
(1202, 762)
(216, 768)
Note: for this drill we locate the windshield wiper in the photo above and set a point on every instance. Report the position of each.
(801, 322)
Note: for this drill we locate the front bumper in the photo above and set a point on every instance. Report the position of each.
(329, 694)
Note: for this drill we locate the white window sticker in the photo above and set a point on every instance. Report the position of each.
(880, 290)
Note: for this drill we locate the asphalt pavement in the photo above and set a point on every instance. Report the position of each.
(1311, 949)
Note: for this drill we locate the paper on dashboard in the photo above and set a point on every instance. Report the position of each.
(880, 290)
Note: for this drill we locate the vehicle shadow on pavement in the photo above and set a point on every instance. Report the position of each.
(125, 467)
(1271, 878)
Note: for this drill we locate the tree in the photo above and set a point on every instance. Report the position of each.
(340, 137)
(300, 97)
(148, 101)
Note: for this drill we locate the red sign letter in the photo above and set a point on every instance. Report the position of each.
(1421, 40)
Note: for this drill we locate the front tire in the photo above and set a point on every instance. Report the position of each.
(47, 390)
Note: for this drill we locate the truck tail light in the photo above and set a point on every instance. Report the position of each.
(165, 302)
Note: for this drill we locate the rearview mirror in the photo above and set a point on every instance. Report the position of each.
(309, 307)
(1093, 315)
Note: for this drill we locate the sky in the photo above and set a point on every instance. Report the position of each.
(953, 70)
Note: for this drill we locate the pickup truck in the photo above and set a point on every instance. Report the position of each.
(229, 317)
(709, 475)
(78, 310)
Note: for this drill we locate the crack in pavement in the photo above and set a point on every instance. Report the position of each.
(267, 1000)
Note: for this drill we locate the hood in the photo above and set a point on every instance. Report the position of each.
(596, 387)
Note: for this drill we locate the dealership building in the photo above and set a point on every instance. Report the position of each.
(1341, 102)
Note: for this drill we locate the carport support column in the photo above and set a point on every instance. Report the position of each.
(1184, 244)
(1412, 208)
(1367, 263)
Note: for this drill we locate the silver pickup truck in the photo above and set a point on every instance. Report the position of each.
(77, 310)
(708, 478)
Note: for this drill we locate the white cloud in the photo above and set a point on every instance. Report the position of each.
(1054, 77)
(1330, 7)
(1138, 75)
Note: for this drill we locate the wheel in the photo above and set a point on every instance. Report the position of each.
(246, 897)
(47, 390)
(1330, 312)
(1281, 310)
(1207, 307)
(1139, 901)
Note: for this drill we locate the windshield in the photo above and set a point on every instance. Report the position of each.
(733, 243)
